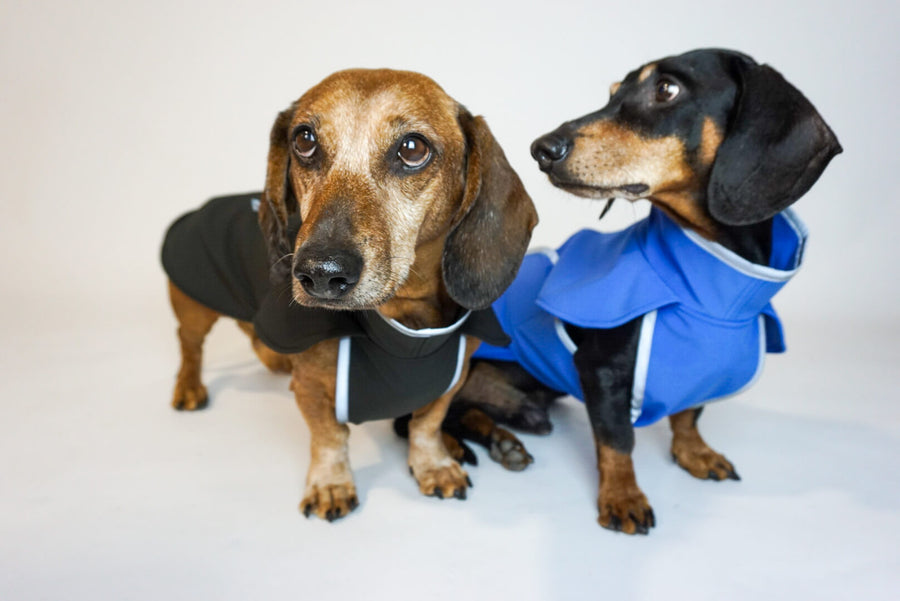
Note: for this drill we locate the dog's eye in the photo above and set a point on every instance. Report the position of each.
(666, 90)
(414, 151)
(305, 142)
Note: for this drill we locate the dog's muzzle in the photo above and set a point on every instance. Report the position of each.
(327, 274)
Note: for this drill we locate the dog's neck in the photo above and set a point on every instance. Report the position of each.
(422, 300)
(752, 242)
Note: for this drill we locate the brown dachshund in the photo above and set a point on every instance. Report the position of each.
(673, 312)
(388, 212)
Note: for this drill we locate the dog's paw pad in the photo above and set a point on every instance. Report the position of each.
(509, 451)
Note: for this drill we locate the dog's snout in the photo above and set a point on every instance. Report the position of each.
(549, 149)
(327, 275)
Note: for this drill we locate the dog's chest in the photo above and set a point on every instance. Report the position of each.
(706, 320)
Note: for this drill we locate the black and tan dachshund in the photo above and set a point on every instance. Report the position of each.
(721, 146)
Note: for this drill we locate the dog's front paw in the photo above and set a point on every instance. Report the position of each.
(625, 511)
(442, 481)
(329, 501)
(702, 462)
(189, 396)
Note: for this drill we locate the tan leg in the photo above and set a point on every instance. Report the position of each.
(330, 492)
(429, 461)
(692, 453)
(621, 502)
(276, 362)
(194, 323)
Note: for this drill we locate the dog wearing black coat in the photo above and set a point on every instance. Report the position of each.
(721, 146)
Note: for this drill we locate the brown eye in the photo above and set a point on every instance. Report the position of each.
(666, 90)
(305, 142)
(414, 151)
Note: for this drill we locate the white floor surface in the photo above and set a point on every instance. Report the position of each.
(107, 493)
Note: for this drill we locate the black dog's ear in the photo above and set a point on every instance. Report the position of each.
(278, 198)
(492, 228)
(775, 149)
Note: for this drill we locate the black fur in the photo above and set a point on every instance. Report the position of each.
(775, 146)
(605, 363)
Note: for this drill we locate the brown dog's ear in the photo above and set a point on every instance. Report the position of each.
(776, 147)
(278, 200)
(491, 231)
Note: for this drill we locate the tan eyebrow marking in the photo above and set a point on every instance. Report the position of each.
(647, 72)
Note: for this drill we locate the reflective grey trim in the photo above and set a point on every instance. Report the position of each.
(738, 263)
(342, 386)
(642, 364)
(425, 332)
(563, 336)
(460, 361)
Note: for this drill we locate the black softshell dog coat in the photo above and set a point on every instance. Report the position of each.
(217, 256)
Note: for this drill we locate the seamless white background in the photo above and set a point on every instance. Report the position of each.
(115, 117)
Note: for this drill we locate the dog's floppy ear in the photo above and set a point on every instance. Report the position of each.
(491, 231)
(776, 147)
(278, 200)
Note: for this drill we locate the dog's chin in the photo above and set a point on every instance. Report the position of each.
(634, 191)
(349, 302)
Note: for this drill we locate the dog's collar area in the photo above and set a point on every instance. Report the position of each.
(789, 239)
(427, 332)
(401, 341)
(655, 263)
(708, 277)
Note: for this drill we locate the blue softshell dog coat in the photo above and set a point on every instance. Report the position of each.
(217, 256)
(706, 317)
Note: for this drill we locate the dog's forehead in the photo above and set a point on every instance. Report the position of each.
(379, 99)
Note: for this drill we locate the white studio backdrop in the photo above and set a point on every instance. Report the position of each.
(115, 117)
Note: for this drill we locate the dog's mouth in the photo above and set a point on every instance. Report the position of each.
(362, 296)
(347, 302)
(633, 191)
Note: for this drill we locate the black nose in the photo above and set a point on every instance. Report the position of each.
(328, 274)
(549, 149)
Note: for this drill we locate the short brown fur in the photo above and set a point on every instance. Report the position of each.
(607, 155)
(402, 224)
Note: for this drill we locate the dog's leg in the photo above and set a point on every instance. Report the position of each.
(330, 492)
(508, 394)
(605, 363)
(460, 451)
(465, 422)
(194, 323)
(430, 463)
(504, 447)
(692, 453)
(276, 362)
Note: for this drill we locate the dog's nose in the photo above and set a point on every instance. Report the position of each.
(327, 275)
(549, 149)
